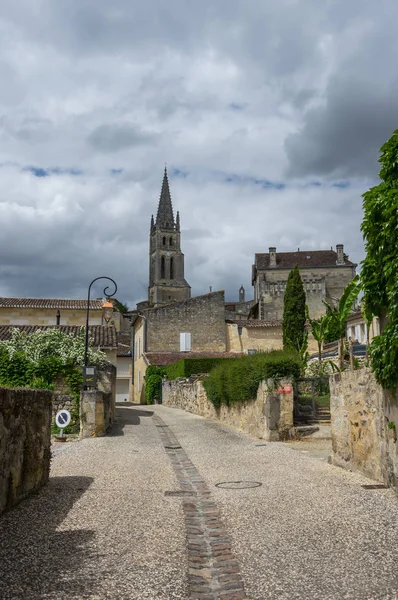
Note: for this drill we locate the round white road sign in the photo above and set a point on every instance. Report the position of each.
(63, 418)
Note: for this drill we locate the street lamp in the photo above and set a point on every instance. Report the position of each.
(108, 309)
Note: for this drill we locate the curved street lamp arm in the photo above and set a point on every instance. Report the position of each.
(108, 295)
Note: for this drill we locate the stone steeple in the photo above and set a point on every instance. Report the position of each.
(166, 261)
(165, 216)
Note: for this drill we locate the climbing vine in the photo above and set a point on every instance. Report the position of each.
(379, 272)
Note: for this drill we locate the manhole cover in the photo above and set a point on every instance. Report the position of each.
(238, 485)
(180, 493)
(173, 447)
(375, 486)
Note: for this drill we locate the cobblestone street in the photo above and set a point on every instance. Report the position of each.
(150, 512)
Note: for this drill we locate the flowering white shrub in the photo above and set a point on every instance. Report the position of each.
(53, 342)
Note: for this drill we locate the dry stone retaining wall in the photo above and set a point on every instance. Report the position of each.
(25, 437)
(269, 416)
(364, 418)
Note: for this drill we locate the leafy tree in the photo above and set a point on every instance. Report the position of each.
(319, 330)
(334, 329)
(380, 267)
(52, 343)
(338, 314)
(294, 312)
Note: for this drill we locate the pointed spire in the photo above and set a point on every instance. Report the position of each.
(152, 223)
(178, 221)
(165, 217)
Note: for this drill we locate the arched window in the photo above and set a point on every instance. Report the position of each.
(164, 241)
(162, 267)
(171, 268)
(170, 241)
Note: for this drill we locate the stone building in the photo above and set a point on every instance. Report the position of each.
(194, 325)
(325, 274)
(30, 314)
(239, 310)
(49, 311)
(166, 261)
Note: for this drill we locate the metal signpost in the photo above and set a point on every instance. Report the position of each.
(62, 419)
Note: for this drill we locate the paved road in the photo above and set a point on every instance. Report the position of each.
(104, 529)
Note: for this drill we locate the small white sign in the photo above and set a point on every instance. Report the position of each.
(63, 418)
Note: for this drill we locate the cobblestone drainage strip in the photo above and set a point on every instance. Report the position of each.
(213, 571)
(375, 486)
(238, 485)
(180, 493)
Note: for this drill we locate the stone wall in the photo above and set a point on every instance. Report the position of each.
(25, 436)
(203, 317)
(106, 382)
(253, 338)
(96, 413)
(364, 418)
(269, 416)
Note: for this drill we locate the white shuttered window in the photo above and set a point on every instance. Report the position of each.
(185, 342)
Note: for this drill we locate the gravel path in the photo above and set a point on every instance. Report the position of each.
(104, 529)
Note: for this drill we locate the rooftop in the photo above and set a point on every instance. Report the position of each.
(103, 336)
(55, 303)
(124, 343)
(252, 323)
(306, 258)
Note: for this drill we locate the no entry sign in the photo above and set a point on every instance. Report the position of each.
(63, 418)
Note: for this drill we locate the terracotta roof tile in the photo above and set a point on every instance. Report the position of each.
(162, 359)
(317, 258)
(104, 336)
(55, 303)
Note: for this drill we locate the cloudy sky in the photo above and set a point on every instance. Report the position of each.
(268, 114)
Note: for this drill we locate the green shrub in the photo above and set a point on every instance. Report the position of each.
(192, 366)
(237, 379)
(153, 383)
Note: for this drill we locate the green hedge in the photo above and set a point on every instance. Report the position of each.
(192, 366)
(237, 379)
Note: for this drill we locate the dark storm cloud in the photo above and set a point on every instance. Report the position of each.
(341, 136)
(232, 94)
(112, 138)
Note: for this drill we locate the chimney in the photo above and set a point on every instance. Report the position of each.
(340, 254)
(272, 257)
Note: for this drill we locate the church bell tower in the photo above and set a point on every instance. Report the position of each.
(166, 261)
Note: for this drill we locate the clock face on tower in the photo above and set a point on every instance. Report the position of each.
(168, 253)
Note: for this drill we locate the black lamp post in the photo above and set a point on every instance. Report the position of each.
(107, 311)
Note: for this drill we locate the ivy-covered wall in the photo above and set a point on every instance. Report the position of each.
(25, 436)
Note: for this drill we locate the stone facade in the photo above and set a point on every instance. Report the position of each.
(202, 317)
(325, 274)
(268, 417)
(166, 261)
(253, 335)
(25, 437)
(364, 418)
